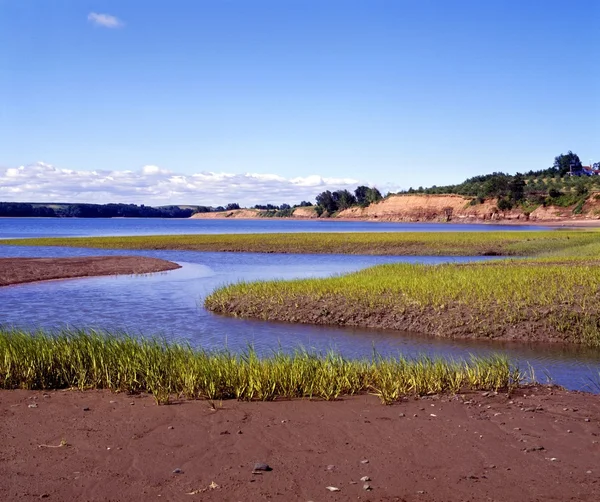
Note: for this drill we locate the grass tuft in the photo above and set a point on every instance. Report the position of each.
(94, 360)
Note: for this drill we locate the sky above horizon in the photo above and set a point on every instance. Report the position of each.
(210, 102)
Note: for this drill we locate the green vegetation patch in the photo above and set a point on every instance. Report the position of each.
(91, 360)
(504, 243)
(549, 299)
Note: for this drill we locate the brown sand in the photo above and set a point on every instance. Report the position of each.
(20, 270)
(540, 444)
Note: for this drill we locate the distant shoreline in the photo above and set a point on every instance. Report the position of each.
(565, 222)
(490, 241)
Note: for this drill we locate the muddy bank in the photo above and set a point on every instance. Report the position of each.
(453, 320)
(538, 444)
(21, 270)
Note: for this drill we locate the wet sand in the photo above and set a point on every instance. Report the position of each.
(22, 270)
(540, 444)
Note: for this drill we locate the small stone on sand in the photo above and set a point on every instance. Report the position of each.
(261, 466)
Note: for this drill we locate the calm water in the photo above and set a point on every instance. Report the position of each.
(170, 304)
(64, 227)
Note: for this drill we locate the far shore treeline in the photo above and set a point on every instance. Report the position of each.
(15, 209)
(566, 183)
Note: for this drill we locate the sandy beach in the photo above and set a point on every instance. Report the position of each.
(539, 444)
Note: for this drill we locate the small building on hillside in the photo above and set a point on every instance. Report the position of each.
(593, 170)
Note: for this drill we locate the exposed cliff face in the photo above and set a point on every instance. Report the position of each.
(458, 208)
(434, 208)
(591, 208)
(428, 208)
(553, 213)
(234, 213)
(250, 214)
(309, 212)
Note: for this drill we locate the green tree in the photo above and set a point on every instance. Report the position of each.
(327, 201)
(581, 187)
(516, 188)
(361, 194)
(504, 204)
(554, 193)
(374, 195)
(344, 199)
(497, 185)
(564, 162)
(366, 195)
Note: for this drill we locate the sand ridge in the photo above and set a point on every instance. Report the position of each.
(22, 270)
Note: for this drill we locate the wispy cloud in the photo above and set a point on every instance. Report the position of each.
(105, 20)
(153, 185)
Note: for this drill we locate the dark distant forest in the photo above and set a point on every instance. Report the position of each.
(22, 209)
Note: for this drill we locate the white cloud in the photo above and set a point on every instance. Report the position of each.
(151, 170)
(105, 20)
(152, 185)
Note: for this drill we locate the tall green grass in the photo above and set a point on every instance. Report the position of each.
(374, 243)
(552, 298)
(92, 360)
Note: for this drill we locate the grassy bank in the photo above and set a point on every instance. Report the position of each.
(505, 243)
(89, 360)
(556, 298)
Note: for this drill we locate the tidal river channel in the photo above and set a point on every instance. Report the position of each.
(170, 303)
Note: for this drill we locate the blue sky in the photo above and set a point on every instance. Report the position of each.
(392, 93)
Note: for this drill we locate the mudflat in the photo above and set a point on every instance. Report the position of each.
(538, 444)
(21, 270)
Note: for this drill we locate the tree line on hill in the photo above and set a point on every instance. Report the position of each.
(331, 202)
(551, 186)
(23, 209)
(327, 202)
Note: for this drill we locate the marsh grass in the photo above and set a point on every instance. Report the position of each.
(505, 243)
(554, 297)
(94, 360)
